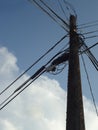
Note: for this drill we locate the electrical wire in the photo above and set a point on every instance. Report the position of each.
(87, 26)
(59, 1)
(93, 98)
(63, 21)
(17, 91)
(91, 36)
(52, 14)
(71, 7)
(57, 43)
(58, 68)
(30, 80)
(8, 101)
(89, 48)
(88, 52)
(90, 32)
(47, 13)
(51, 11)
(91, 56)
(92, 22)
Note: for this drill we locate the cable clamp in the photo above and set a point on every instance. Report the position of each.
(51, 68)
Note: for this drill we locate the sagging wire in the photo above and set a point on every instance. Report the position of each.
(90, 87)
(58, 69)
(57, 43)
(30, 80)
(58, 64)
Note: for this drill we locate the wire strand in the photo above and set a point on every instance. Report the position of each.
(91, 56)
(91, 36)
(93, 98)
(86, 33)
(89, 48)
(87, 26)
(55, 14)
(30, 80)
(51, 15)
(93, 22)
(20, 92)
(34, 64)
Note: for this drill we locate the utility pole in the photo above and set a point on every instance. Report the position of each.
(75, 113)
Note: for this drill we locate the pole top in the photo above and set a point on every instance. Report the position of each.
(73, 23)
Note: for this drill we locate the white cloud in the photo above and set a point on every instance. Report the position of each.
(8, 66)
(8, 62)
(91, 119)
(8, 125)
(41, 106)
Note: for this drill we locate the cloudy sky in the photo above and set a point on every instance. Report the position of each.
(42, 106)
(25, 34)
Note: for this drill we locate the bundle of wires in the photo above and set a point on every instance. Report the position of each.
(32, 78)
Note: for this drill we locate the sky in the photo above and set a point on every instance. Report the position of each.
(25, 34)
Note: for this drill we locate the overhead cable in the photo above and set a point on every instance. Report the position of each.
(30, 80)
(89, 23)
(89, 47)
(59, 1)
(44, 7)
(69, 6)
(87, 26)
(47, 13)
(9, 99)
(91, 36)
(55, 13)
(86, 33)
(57, 43)
(93, 98)
(91, 56)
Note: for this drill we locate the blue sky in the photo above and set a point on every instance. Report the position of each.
(26, 33)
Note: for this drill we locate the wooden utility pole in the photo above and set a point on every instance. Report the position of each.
(75, 114)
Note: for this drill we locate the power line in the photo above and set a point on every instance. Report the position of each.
(57, 43)
(71, 7)
(59, 1)
(52, 14)
(8, 101)
(93, 98)
(55, 13)
(92, 22)
(38, 73)
(87, 26)
(48, 13)
(91, 56)
(91, 36)
(89, 48)
(86, 33)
